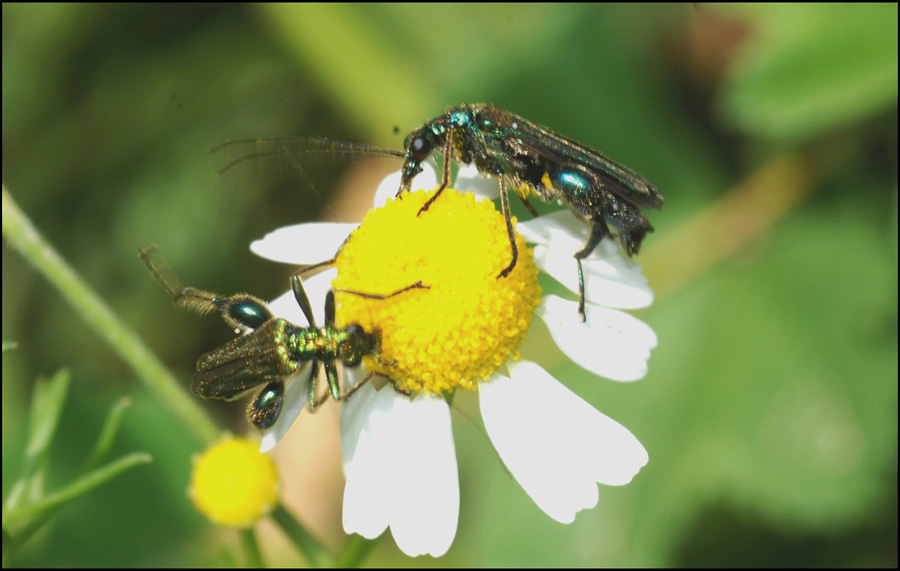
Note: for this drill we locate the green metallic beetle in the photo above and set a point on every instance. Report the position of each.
(272, 350)
(525, 158)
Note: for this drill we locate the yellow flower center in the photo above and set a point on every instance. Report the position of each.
(469, 322)
(233, 484)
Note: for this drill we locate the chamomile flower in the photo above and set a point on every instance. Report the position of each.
(464, 333)
(233, 484)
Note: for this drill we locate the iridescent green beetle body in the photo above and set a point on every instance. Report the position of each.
(273, 349)
(525, 158)
(530, 159)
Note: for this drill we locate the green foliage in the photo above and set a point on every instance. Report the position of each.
(770, 409)
(810, 69)
(28, 508)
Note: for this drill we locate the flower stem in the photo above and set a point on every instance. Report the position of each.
(316, 555)
(717, 232)
(25, 238)
(250, 544)
(357, 551)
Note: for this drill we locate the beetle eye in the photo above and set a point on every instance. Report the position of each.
(420, 148)
(247, 311)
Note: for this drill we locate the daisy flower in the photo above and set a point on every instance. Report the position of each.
(464, 332)
(233, 484)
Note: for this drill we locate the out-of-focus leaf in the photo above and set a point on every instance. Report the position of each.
(108, 433)
(74, 490)
(807, 68)
(780, 387)
(385, 65)
(46, 407)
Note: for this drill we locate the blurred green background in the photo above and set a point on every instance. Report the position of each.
(770, 409)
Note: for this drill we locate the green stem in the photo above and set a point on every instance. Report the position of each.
(742, 215)
(357, 551)
(316, 555)
(22, 235)
(251, 548)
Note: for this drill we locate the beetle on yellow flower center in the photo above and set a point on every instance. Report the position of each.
(469, 322)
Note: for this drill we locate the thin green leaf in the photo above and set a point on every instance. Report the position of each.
(22, 234)
(46, 407)
(316, 555)
(108, 433)
(44, 507)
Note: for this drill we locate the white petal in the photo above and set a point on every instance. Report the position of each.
(366, 505)
(401, 469)
(609, 278)
(610, 343)
(294, 401)
(316, 288)
(425, 180)
(556, 445)
(307, 243)
(354, 415)
(558, 227)
(469, 179)
(387, 189)
(612, 281)
(352, 375)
